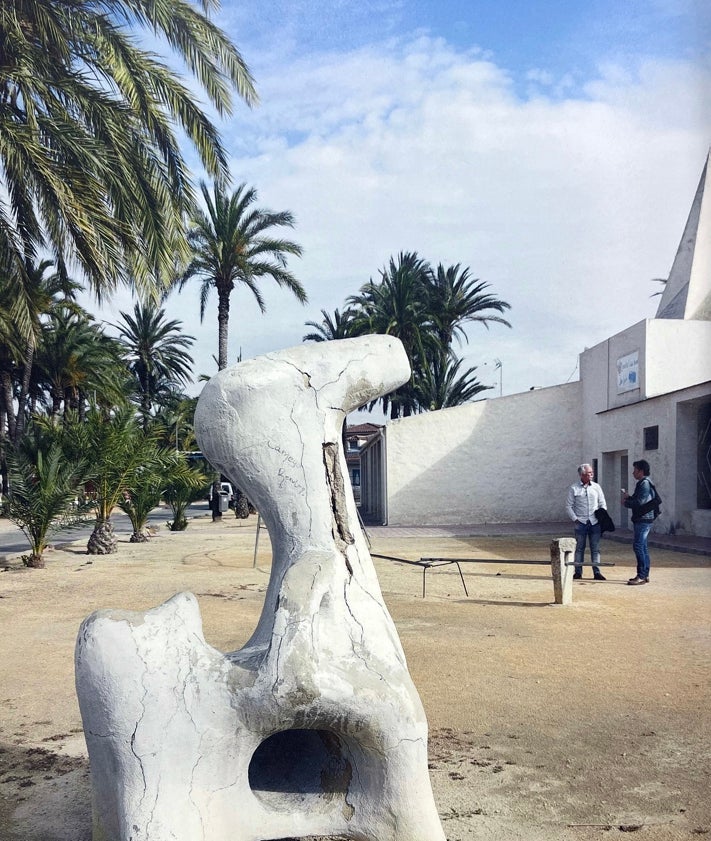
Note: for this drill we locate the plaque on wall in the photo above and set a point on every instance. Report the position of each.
(628, 372)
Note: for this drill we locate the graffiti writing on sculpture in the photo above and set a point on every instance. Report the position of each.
(284, 476)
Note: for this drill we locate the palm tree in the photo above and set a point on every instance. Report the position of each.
(117, 450)
(12, 346)
(425, 310)
(155, 353)
(338, 327)
(91, 126)
(25, 299)
(455, 299)
(442, 386)
(44, 487)
(230, 244)
(184, 485)
(76, 361)
(173, 420)
(145, 492)
(46, 296)
(398, 305)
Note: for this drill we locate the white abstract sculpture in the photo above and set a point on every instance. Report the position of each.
(315, 726)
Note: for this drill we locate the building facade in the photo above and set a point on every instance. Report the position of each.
(643, 393)
(355, 438)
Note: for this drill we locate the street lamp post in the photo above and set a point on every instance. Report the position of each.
(497, 364)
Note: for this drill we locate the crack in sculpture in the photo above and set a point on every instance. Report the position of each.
(312, 728)
(334, 479)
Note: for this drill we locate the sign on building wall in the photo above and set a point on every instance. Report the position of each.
(628, 372)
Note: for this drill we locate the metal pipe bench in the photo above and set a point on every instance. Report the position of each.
(558, 586)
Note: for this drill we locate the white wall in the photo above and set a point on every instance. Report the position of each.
(673, 354)
(678, 355)
(508, 459)
(598, 370)
(511, 459)
(622, 431)
(673, 463)
(674, 375)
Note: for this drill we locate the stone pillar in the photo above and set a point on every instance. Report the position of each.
(315, 726)
(562, 550)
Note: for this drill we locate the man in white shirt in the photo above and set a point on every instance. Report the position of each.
(584, 498)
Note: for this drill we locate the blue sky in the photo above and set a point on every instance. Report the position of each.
(520, 34)
(554, 148)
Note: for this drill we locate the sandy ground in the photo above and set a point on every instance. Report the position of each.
(547, 723)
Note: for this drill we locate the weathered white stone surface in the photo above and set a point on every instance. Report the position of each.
(562, 551)
(314, 727)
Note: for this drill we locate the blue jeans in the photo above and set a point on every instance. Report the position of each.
(583, 531)
(641, 532)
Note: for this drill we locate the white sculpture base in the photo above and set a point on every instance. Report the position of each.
(314, 727)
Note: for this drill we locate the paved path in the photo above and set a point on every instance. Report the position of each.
(13, 542)
(671, 542)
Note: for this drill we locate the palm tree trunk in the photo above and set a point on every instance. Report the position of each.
(103, 540)
(241, 505)
(4, 482)
(24, 390)
(7, 396)
(180, 521)
(223, 318)
(56, 403)
(71, 401)
(4, 478)
(82, 406)
(145, 399)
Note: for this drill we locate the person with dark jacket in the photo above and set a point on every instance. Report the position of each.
(642, 517)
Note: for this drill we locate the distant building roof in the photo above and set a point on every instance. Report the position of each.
(363, 429)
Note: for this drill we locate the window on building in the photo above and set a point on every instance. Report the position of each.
(651, 437)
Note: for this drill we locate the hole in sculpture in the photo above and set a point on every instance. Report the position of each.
(307, 767)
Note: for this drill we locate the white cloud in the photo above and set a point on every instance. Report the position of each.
(566, 206)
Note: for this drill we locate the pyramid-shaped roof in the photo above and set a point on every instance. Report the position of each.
(687, 293)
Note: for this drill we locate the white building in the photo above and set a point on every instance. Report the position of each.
(643, 393)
